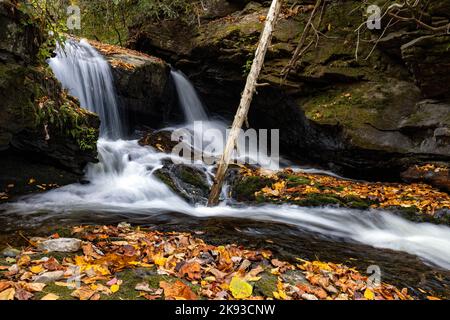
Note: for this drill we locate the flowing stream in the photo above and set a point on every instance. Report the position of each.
(122, 186)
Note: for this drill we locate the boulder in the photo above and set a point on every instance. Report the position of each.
(188, 181)
(60, 245)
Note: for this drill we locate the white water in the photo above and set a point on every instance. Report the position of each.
(123, 182)
(188, 98)
(86, 75)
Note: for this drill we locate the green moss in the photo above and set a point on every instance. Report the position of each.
(166, 179)
(126, 291)
(317, 199)
(69, 119)
(193, 177)
(266, 285)
(245, 188)
(293, 181)
(62, 292)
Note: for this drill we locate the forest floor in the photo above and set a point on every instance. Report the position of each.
(132, 263)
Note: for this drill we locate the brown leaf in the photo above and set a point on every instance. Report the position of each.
(177, 290)
(95, 296)
(83, 293)
(7, 294)
(192, 270)
(32, 287)
(50, 296)
(52, 265)
(89, 251)
(22, 294)
(5, 285)
(24, 260)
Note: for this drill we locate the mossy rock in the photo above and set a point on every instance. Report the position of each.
(189, 182)
(244, 188)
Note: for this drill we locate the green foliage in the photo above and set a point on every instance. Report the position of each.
(47, 16)
(248, 65)
(69, 119)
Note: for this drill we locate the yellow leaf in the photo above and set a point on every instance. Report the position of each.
(159, 260)
(37, 269)
(276, 295)
(50, 296)
(240, 288)
(368, 294)
(7, 294)
(114, 288)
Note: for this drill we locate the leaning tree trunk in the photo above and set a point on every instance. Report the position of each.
(246, 100)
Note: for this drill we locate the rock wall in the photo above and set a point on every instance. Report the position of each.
(363, 117)
(44, 134)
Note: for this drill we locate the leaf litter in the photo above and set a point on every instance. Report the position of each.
(187, 267)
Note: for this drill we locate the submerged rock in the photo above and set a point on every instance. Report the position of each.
(61, 245)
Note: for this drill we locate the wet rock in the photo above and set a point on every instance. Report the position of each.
(160, 140)
(188, 181)
(61, 245)
(48, 277)
(10, 252)
(435, 175)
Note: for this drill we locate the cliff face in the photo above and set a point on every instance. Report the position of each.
(359, 116)
(44, 134)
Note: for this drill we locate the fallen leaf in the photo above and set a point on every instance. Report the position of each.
(50, 296)
(24, 261)
(23, 294)
(143, 286)
(240, 289)
(37, 269)
(83, 293)
(114, 288)
(7, 294)
(32, 287)
(192, 270)
(177, 290)
(369, 295)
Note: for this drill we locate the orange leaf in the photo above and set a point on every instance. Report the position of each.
(177, 290)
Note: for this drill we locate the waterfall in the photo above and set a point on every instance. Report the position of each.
(124, 181)
(187, 96)
(87, 75)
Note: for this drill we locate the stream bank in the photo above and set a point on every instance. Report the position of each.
(107, 250)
